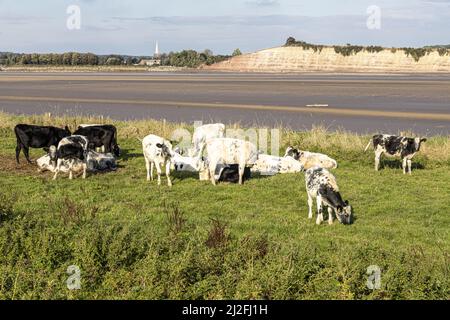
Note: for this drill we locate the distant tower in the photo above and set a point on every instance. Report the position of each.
(156, 50)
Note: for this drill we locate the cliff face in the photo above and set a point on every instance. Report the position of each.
(296, 59)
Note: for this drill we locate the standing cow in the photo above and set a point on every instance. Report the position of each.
(73, 149)
(31, 136)
(157, 152)
(229, 151)
(395, 146)
(100, 136)
(204, 133)
(322, 186)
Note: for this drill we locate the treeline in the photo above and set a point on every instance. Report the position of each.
(185, 58)
(192, 58)
(65, 59)
(348, 50)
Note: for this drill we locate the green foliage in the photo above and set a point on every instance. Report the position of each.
(237, 52)
(374, 49)
(417, 53)
(348, 50)
(191, 58)
(291, 42)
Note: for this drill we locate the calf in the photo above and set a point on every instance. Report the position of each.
(395, 146)
(97, 161)
(224, 173)
(45, 163)
(271, 165)
(71, 149)
(30, 136)
(310, 159)
(203, 134)
(100, 136)
(157, 152)
(321, 185)
(230, 151)
(184, 164)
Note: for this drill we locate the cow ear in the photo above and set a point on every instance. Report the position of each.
(346, 202)
(423, 140)
(66, 128)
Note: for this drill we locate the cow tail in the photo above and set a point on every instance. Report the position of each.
(368, 145)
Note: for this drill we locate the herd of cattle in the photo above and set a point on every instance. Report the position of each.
(213, 156)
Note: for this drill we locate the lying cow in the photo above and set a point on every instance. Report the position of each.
(100, 136)
(71, 149)
(30, 136)
(157, 152)
(395, 146)
(229, 151)
(272, 165)
(310, 159)
(184, 164)
(95, 162)
(321, 185)
(203, 134)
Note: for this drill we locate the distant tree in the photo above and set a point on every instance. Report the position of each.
(208, 52)
(290, 41)
(237, 52)
(34, 58)
(67, 58)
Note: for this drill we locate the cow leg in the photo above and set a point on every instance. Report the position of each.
(84, 170)
(18, 148)
(212, 172)
(319, 210)
(169, 182)
(158, 171)
(70, 169)
(330, 216)
(409, 165)
(404, 164)
(377, 161)
(26, 152)
(58, 165)
(310, 205)
(241, 173)
(147, 166)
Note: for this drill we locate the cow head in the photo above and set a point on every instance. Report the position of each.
(52, 152)
(345, 214)
(117, 151)
(65, 132)
(166, 152)
(294, 153)
(417, 142)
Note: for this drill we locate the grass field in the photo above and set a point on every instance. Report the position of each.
(134, 240)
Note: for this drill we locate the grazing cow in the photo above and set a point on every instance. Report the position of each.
(30, 136)
(223, 173)
(73, 149)
(395, 146)
(100, 136)
(310, 159)
(229, 151)
(204, 133)
(157, 152)
(321, 185)
(271, 165)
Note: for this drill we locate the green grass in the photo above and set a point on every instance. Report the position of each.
(135, 240)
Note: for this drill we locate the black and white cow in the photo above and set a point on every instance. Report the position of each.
(321, 185)
(157, 153)
(31, 136)
(72, 149)
(100, 136)
(395, 146)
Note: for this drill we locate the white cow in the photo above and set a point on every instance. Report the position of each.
(95, 162)
(204, 133)
(310, 159)
(71, 149)
(272, 165)
(157, 152)
(229, 151)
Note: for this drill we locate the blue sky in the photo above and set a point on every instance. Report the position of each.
(133, 26)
